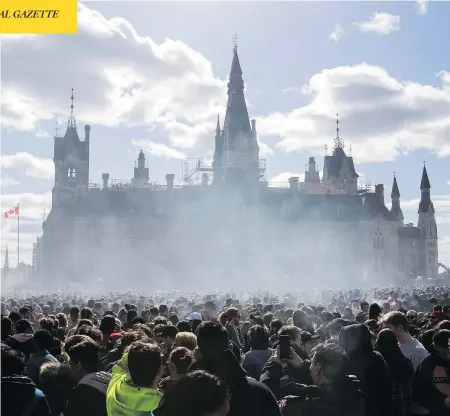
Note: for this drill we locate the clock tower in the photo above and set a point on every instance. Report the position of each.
(236, 156)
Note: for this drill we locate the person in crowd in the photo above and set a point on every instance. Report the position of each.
(333, 391)
(275, 327)
(89, 395)
(43, 342)
(109, 336)
(197, 393)
(233, 316)
(375, 311)
(411, 348)
(22, 340)
(431, 388)
(401, 369)
(248, 397)
(7, 328)
(187, 340)
(57, 383)
(132, 390)
(180, 359)
(302, 320)
(259, 353)
(368, 366)
(19, 394)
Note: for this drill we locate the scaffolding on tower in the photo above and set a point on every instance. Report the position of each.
(197, 172)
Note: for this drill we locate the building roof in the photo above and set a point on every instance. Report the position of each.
(409, 232)
(425, 182)
(333, 163)
(63, 145)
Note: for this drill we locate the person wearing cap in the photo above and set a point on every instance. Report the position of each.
(308, 340)
(431, 387)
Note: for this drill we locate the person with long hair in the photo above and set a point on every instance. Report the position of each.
(369, 367)
(401, 369)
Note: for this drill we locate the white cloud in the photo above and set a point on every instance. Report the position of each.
(337, 33)
(159, 149)
(422, 6)
(265, 150)
(28, 164)
(380, 116)
(137, 81)
(381, 23)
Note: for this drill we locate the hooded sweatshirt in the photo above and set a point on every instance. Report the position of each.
(248, 397)
(124, 398)
(20, 396)
(369, 367)
(22, 342)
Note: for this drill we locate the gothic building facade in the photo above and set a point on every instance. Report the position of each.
(235, 224)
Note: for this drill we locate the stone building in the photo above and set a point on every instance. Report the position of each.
(236, 224)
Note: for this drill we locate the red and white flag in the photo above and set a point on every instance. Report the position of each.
(11, 212)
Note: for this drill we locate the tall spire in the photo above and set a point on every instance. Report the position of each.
(425, 182)
(338, 143)
(236, 117)
(71, 122)
(425, 204)
(6, 262)
(218, 125)
(395, 194)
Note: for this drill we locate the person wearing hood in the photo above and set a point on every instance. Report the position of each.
(135, 378)
(248, 396)
(333, 392)
(88, 397)
(19, 394)
(431, 387)
(22, 340)
(369, 367)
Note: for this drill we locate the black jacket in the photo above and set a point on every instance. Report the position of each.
(248, 396)
(343, 398)
(430, 383)
(20, 397)
(88, 398)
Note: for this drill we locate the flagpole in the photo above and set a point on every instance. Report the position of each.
(18, 234)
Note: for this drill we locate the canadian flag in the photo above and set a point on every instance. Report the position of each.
(12, 211)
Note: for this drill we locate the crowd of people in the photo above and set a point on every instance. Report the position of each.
(378, 352)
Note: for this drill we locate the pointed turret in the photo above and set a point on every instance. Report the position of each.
(395, 192)
(425, 201)
(425, 182)
(6, 262)
(395, 196)
(218, 126)
(236, 117)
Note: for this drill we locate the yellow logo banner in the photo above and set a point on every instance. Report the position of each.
(38, 16)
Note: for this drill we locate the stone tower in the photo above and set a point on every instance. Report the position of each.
(71, 158)
(236, 156)
(141, 173)
(428, 228)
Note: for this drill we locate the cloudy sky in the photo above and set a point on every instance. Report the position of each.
(153, 76)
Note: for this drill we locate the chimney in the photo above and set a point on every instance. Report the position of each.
(379, 192)
(87, 132)
(293, 182)
(169, 180)
(105, 177)
(253, 125)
